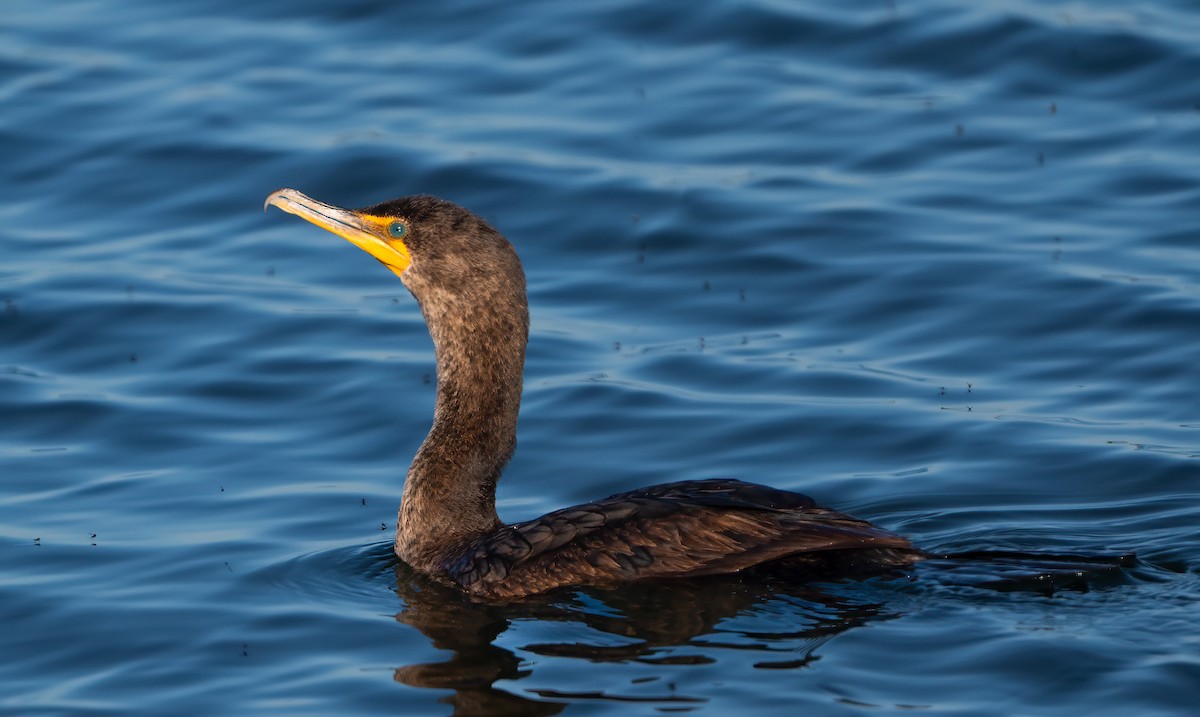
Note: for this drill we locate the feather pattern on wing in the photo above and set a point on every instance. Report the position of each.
(684, 529)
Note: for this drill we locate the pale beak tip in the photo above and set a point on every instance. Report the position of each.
(276, 198)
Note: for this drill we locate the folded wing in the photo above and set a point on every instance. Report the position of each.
(685, 529)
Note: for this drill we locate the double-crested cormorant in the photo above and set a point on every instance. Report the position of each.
(470, 286)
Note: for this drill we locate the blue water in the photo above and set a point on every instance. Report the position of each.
(936, 264)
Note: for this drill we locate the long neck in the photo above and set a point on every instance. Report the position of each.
(450, 492)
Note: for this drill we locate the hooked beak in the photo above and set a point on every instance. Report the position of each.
(365, 231)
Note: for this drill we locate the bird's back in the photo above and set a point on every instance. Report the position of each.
(673, 530)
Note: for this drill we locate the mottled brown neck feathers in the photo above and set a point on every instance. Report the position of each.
(479, 322)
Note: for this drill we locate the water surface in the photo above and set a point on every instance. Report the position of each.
(936, 265)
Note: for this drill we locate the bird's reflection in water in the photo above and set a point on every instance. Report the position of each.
(686, 622)
(646, 621)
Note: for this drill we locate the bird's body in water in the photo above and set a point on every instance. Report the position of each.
(470, 287)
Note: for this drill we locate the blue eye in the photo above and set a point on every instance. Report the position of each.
(398, 230)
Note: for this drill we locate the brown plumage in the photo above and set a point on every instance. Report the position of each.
(676, 530)
(470, 287)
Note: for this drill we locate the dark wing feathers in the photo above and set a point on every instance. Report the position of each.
(684, 529)
(726, 493)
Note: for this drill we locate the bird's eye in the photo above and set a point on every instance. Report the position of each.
(398, 230)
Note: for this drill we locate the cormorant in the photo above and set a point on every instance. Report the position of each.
(470, 286)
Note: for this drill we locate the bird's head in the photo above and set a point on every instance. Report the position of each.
(441, 251)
